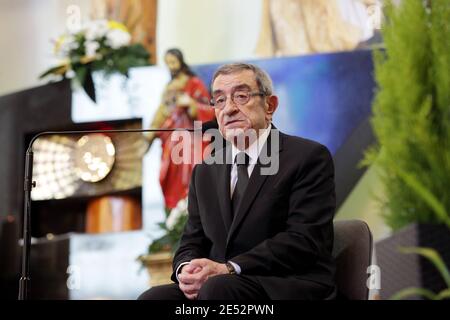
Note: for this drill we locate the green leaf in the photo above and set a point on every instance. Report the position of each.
(80, 74)
(426, 195)
(444, 294)
(54, 70)
(434, 257)
(408, 292)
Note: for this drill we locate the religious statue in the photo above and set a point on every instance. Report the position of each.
(184, 100)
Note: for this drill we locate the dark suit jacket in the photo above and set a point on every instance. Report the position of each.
(283, 231)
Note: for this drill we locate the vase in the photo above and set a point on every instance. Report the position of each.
(159, 267)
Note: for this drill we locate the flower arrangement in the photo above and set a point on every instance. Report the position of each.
(99, 45)
(159, 256)
(173, 228)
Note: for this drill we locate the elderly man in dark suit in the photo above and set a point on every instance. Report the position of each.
(257, 229)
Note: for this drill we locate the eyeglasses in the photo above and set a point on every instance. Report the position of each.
(238, 97)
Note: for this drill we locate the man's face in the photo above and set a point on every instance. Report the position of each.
(233, 118)
(173, 64)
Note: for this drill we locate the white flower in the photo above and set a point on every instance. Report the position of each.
(91, 48)
(70, 74)
(182, 205)
(58, 77)
(175, 214)
(64, 45)
(95, 29)
(117, 38)
(74, 28)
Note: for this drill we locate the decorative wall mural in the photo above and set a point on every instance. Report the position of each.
(323, 97)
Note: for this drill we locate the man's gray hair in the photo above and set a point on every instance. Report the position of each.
(262, 78)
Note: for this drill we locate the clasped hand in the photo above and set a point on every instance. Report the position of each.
(195, 274)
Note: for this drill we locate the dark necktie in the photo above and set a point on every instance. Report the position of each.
(241, 160)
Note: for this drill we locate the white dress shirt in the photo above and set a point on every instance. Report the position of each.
(253, 152)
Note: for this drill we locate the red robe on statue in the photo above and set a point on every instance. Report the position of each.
(174, 178)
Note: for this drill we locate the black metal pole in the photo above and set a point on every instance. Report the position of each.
(28, 185)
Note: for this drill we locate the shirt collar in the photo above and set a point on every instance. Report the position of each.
(255, 148)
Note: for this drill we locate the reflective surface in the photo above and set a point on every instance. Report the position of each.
(94, 157)
(67, 166)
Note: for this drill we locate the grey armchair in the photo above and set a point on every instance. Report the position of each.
(353, 254)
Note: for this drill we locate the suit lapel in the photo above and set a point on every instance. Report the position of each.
(223, 190)
(254, 185)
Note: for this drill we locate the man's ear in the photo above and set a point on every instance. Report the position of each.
(272, 105)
